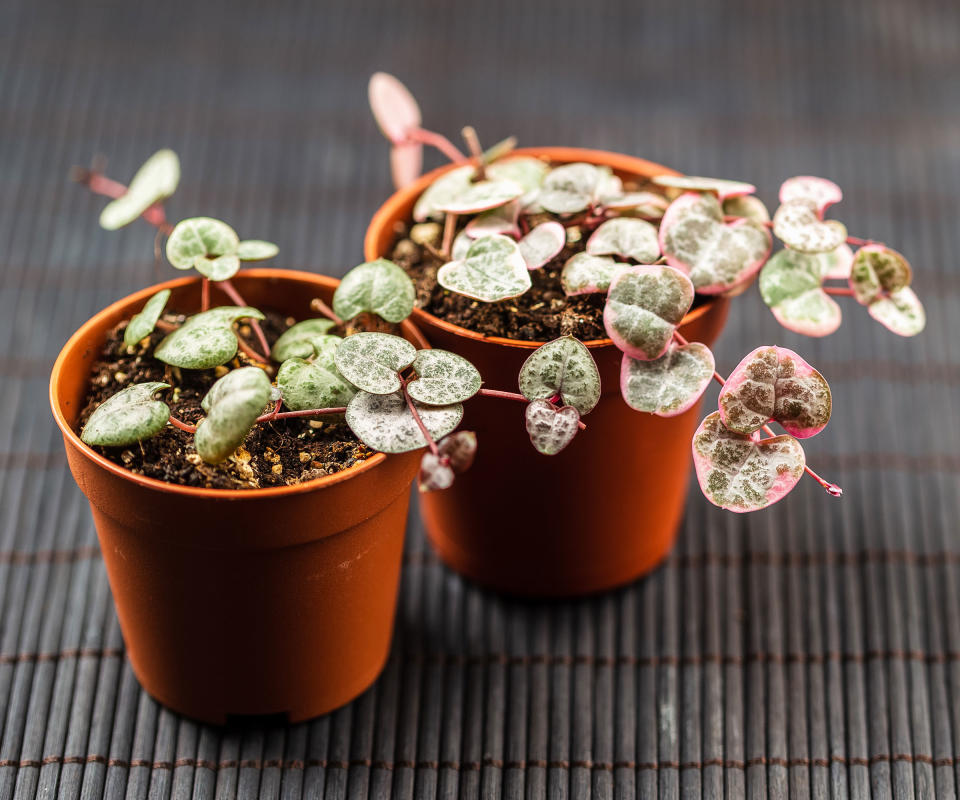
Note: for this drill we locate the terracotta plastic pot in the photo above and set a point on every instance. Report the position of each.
(601, 513)
(267, 601)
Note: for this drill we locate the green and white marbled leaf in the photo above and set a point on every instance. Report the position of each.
(643, 204)
(527, 171)
(443, 378)
(551, 429)
(668, 385)
(542, 244)
(200, 237)
(129, 416)
(441, 191)
(743, 473)
(586, 274)
(456, 454)
(502, 220)
(626, 237)
(371, 361)
(379, 287)
(221, 268)
(876, 271)
(837, 263)
(791, 284)
(461, 245)
(317, 384)
(481, 196)
(232, 406)
(571, 188)
(644, 306)
(153, 183)
(799, 227)
(205, 340)
(297, 340)
(721, 187)
(384, 422)
(901, 312)
(747, 206)
(563, 366)
(141, 325)
(256, 250)
(819, 191)
(492, 270)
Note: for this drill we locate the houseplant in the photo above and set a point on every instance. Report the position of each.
(592, 236)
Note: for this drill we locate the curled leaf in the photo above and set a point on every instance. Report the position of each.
(572, 187)
(644, 307)
(383, 421)
(435, 473)
(221, 268)
(551, 429)
(798, 225)
(441, 191)
(127, 417)
(717, 255)
(720, 187)
(233, 404)
(371, 361)
(774, 383)
(154, 182)
(819, 191)
(562, 367)
(492, 270)
(668, 385)
(481, 196)
(744, 473)
(502, 220)
(443, 378)
(900, 311)
(543, 244)
(379, 287)
(586, 274)
(456, 454)
(748, 206)
(200, 237)
(393, 107)
(643, 204)
(141, 325)
(876, 271)
(791, 284)
(626, 237)
(205, 340)
(256, 250)
(297, 340)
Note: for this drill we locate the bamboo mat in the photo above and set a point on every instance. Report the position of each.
(812, 651)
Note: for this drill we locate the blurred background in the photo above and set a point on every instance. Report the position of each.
(811, 648)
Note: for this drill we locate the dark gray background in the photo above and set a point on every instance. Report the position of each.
(811, 650)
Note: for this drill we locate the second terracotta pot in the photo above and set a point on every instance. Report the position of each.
(601, 513)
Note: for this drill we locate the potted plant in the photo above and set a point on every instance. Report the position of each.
(511, 248)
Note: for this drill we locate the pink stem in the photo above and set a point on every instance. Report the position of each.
(839, 291)
(441, 142)
(520, 398)
(271, 414)
(857, 241)
(182, 425)
(234, 295)
(310, 412)
(318, 305)
(473, 142)
(449, 228)
(416, 418)
(204, 294)
(249, 351)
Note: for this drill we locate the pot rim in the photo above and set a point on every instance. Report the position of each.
(98, 320)
(390, 211)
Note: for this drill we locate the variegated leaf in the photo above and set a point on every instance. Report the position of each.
(199, 237)
(492, 270)
(314, 384)
(626, 237)
(443, 378)
(481, 196)
(799, 226)
(205, 340)
(233, 404)
(668, 385)
(441, 191)
(791, 284)
(542, 244)
(571, 188)
(876, 271)
(551, 429)
(154, 182)
(393, 107)
(383, 421)
(372, 361)
(297, 340)
(379, 287)
(819, 191)
(720, 187)
(586, 274)
(562, 367)
(256, 250)
(747, 206)
(456, 454)
(219, 268)
(643, 204)
(502, 220)
(141, 325)
(900, 311)
(129, 416)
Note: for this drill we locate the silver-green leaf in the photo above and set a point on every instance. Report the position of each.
(129, 416)
(221, 268)
(563, 366)
(443, 378)
(233, 404)
(200, 236)
(141, 325)
(297, 340)
(551, 429)
(379, 287)
(256, 250)
(626, 237)
(668, 385)
(372, 361)
(154, 182)
(317, 384)
(384, 421)
(492, 270)
(205, 340)
(586, 274)
(799, 227)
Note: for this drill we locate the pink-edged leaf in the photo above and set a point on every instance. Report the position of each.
(791, 284)
(643, 204)
(394, 108)
(668, 385)
(644, 306)
(900, 311)
(798, 225)
(492, 270)
(443, 190)
(543, 244)
(821, 192)
(774, 383)
(406, 163)
(746, 206)
(717, 255)
(744, 473)
(502, 220)
(435, 473)
(626, 237)
(878, 270)
(481, 196)
(564, 367)
(551, 429)
(571, 188)
(587, 274)
(456, 454)
(720, 187)
(837, 263)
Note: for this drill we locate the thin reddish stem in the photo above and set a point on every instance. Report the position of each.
(839, 291)
(319, 306)
(271, 414)
(163, 325)
(310, 412)
(249, 351)
(469, 135)
(182, 425)
(449, 229)
(204, 294)
(441, 142)
(858, 242)
(521, 399)
(234, 295)
(416, 418)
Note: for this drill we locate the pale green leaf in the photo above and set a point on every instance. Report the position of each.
(626, 237)
(668, 385)
(799, 227)
(296, 341)
(492, 270)
(443, 378)
(205, 340)
(200, 236)
(379, 287)
(791, 284)
(563, 366)
(256, 250)
(233, 404)
(586, 274)
(221, 268)
(129, 416)
(154, 182)
(141, 325)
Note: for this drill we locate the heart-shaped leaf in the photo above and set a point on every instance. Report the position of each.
(317, 384)
(154, 182)
(626, 237)
(716, 255)
(799, 227)
(461, 246)
(233, 404)
(551, 429)
(384, 422)
(441, 191)
(668, 385)
(586, 274)
(371, 361)
(129, 416)
(456, 454)
(562, 367)
(200, 237)
(791, 284)
(481, 196)
(406, 163)
(221, 268)
(379, 287)
(837, 263)
(443, 378)
(720, 187)
(744, 473)
(644, 307)
(542, 244)
(774, 383)
(502, 220)
(141, 325)
(748, 206)
(297, 340)
(876, 272)
(205, 340)
(527, 171)
(493, 270)
(900, 311)
(644, 204)
(256, 250)
(393, 107)
(572, 187)
(819, 191)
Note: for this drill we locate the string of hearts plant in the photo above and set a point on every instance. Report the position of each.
(651, 252)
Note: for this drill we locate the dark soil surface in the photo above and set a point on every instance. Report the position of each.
(278, 453)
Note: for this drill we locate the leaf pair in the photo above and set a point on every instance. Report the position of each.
(880, 279)
(153, 183)
(232, 406)
(791, 284)
(213, 248)
(799, 221)
(397, 114)
(572, 188)
(379, 287)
